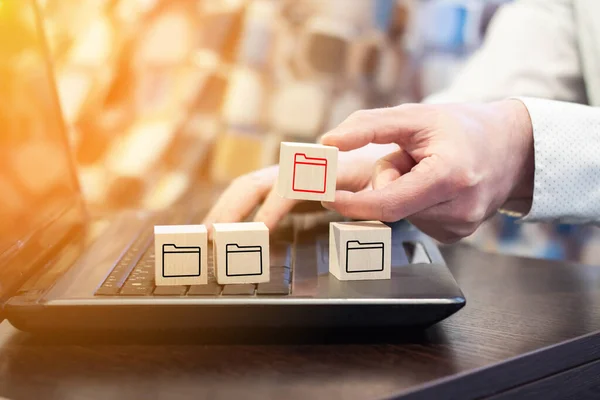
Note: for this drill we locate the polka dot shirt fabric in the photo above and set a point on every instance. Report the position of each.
(567, 162)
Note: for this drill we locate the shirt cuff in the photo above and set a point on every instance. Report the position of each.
(567, 161)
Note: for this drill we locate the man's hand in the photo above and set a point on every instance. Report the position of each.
(455, 167)
(248, 191)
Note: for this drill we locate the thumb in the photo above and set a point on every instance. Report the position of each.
(423, 187)
(381, 126)
(391, 167)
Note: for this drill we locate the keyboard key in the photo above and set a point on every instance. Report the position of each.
(210, 254)
(273, 288)
(279, 284)
(245, 289)
(123, 267)
(280, 254)
(132, 283)
(141, 276)
(170, 290)
(108, 290)
(144, 270)
(416, 253)
(211, 289)
(280, 274)
(136, 290)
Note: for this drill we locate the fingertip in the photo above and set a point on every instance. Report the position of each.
(340, 139)
(209, 231)
(363, 205)
(343, 198)
(329, 139)
(271, 223)
(273, 209)
(327, 205)
(208, 223)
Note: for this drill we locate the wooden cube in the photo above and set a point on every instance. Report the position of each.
(241, 252)
(180, 253)
(307, 171)
(360, 250)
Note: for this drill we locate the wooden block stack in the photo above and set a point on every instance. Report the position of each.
(358, 250)
(241, 254)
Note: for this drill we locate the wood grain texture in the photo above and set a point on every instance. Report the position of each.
(307, 171)
(241, 252)
(516, 308)
(180, 253)
(360, 250)
(579, 383)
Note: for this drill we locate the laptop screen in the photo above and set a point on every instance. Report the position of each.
(39, 195)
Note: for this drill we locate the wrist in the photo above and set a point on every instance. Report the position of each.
(521, 136)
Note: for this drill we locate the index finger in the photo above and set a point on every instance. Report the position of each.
(419, 189)
(381, 126)
(241, 197)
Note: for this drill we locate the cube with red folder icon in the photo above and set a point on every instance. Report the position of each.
(307, 171)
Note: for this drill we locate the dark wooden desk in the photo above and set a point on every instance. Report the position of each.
(501, 344)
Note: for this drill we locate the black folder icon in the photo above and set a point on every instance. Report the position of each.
(174, 257)
(360, 255)
(243, 260)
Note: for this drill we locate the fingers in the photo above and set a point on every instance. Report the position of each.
(242, 197)
(433, 229)
(451, 221)
(382, 126)
(424, 186)
(443, 232)
(233, 206)
(391, 167)
(274, 208)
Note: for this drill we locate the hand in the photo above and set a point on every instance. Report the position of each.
(456, 165)
(245, 193)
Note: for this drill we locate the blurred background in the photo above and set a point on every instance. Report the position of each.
(162, 94)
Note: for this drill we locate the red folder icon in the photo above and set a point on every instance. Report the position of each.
(310, 174)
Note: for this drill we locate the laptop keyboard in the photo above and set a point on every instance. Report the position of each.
(133, 275)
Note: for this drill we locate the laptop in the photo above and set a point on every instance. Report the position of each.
(62, 268)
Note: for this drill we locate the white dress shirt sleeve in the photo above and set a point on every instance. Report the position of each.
(567, 162)
(530, 49)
